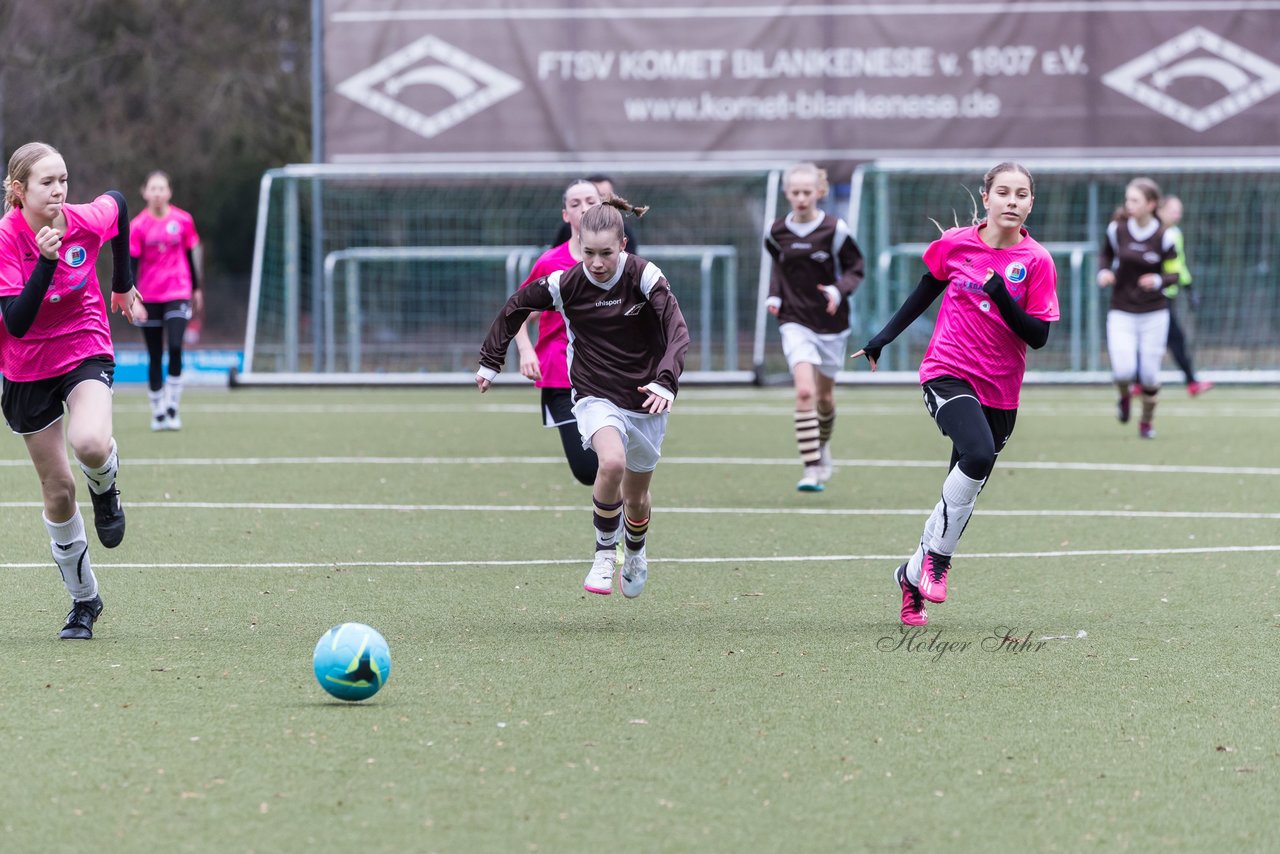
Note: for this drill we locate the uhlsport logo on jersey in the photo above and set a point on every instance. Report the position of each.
(1243, 78)
(75, 255)
(408, 86)
(1015, 273)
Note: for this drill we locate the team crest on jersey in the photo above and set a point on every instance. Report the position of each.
(634, 310)
(820, 256)
(1151, 257)
(1015, 272)
(75, 255)
(171, 227)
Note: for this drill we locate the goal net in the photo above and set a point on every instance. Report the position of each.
(381, 274)
(1231, 225)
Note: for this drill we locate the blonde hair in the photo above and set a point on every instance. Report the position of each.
(607, 216)
(20, 165)
(819, 174)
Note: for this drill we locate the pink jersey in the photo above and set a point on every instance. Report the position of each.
(552, 338)
(71, 323)
(161, 244)
(971, 341)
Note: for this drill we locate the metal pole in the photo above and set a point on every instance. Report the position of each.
(320, 312)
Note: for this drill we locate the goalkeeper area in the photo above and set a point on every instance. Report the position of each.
(366, 275)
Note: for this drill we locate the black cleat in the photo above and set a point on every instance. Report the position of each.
(81, 618)
(108, 516)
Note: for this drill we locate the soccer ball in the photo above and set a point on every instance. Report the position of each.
(352, 661)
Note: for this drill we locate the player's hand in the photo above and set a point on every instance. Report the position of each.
(529, 367)
(197, 303)
(774, 309)
(482, 384)
(654, 403)
(130, 305)
(872, 354)
(833, 300)
(49, 241)
(1150, 281)
(1106, 278)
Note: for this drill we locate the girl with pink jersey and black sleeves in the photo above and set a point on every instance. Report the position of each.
(546, 363)
(999, 295)
(162, 243)
(56, 349)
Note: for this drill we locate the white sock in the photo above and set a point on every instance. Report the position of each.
(157, 401)
(946, 524)
(915, 566)
(103, 477)
(70, 549)
(173, 392)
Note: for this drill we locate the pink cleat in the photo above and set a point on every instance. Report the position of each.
(913, 613)
(933, 576)
(1199, 387)
(1145, 430)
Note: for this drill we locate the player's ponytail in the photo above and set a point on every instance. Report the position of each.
(10, 200)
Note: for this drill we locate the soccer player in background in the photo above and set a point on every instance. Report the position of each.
(627, 342)
(1134, 263)
(162, 243)
(999, 295)
(816, 268)
(604, 188)
(545, 363)
(56, 348)
(1170, 213)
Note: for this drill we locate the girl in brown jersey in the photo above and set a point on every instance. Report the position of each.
(1137, 251)
(627, 340)
(816, 268)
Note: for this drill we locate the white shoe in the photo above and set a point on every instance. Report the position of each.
(635, 572)
(825, 466)
(159, 422)
(812, 480)
(174, 421)
(600, 578)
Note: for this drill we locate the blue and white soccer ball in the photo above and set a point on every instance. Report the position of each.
(352, 661)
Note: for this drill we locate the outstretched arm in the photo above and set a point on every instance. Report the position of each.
(533, 297)
(928, 290)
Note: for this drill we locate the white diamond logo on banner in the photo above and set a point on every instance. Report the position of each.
(473, 84)
(1246, 77)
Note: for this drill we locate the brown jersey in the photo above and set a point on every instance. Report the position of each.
(804, 259)
(1132, 253)
(624, 334)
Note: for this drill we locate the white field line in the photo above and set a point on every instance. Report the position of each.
(940, 464)
(697, 511)
(412, 564)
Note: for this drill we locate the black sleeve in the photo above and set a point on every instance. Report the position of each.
(191, 263)
(121, 266)
(1033, 330)
(915, 304)
(20, 309)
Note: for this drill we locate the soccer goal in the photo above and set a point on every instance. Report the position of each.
(1231, 225)
(392, 274)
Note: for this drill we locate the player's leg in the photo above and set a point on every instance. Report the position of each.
(153, 336)
(825, 400)
(68, 541)
(557, 412)
(645, 434)
(89, 432)
(603, 426)
(1122, 347)
(1152, 333)
(175, 331)
(799, 346)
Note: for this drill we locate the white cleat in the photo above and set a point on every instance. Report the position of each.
(635, 572)
(600, 578)
(174, 421)
(159, 422)
(825, 467)
(812, 480)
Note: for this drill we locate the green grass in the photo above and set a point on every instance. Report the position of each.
(762, 698)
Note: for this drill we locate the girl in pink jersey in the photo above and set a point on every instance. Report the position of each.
(999, 294)
(162, 243)
(56, 348)
(816, 268)
(545, 363)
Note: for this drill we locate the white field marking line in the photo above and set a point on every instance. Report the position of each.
(695, 511)
(1267, 471)
(670, 560)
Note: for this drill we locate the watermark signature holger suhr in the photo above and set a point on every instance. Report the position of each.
(932, 642)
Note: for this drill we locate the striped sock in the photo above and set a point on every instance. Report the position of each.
(807, 436)
(636, 529)
(826, 424)
(605, 518)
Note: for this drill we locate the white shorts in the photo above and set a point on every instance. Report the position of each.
(802, 344)
(1136, 344)
(641, 432)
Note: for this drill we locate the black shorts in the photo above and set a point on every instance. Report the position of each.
(159, 312)
(939, 390)
(32, 406)
(557, 407)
